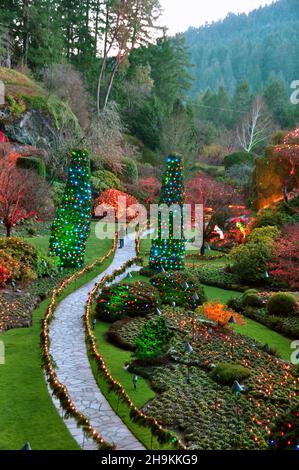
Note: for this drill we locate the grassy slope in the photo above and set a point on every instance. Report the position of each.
(27, 412)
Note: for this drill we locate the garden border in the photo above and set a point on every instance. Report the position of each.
(136, 415)
(60, 390)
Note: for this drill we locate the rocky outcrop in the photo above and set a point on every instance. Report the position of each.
(33, 121)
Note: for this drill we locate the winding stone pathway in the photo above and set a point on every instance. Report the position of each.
(68, 350)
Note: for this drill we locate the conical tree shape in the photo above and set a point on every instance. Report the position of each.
(71, 226)
(168, 249)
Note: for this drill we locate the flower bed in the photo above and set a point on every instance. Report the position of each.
(205, 412)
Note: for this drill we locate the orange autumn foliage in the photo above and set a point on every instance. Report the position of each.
(220, 313)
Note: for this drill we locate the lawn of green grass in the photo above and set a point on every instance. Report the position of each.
(94, 246)
(27, 412)
(264, 335)
(115, 359)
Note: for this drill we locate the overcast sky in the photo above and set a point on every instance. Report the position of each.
(180, 14)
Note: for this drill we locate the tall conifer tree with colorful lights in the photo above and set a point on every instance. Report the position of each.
(168, 249)
(71, 226)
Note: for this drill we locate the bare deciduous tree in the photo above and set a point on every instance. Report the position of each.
(67, 83)
(23, 195)
(106, 139)
(256, 127)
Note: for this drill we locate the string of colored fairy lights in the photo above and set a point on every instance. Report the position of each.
(135, 413)
(263, 399)
(168, 249)
(71, 227)
(60, 390)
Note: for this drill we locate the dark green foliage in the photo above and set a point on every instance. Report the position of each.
(147, 271)
(121, 300)
(31, 163)
(239, 158)
(129, 170)
(251, 260)
(287, 326)
(236, 303)
(226, 374)
(279, 215)
(252, 300)
(28, 263)
(104, 179)
(218, 277)
(153, 339)
(285, 431)
(250, 46)
(282, 304)
(172, 288)
(58, 189)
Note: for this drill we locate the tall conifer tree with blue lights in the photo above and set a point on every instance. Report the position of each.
(71, 227)
(168, 253)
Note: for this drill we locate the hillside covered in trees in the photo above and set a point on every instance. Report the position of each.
(256, 47)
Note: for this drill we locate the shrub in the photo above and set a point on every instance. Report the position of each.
(251, 260)
(262, 234)
(11, 265)
(220, 313)
(271, 217)
(251, 291)
(282, 304)
(227, 374)
(288, 326)
(104, 179)
(23, 261)
(284, 267)
(236, 304)
(32, 163)
(252, 300)
(46, 266)
(121, 300)
(129, 170)
(32, 231)
(20, 250)
(58, 190)
(5, 275)
(217, 276)
(147, 272)
(153, 339)
(172, 289)
(239, 158)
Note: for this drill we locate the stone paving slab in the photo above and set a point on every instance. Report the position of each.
(69, 353)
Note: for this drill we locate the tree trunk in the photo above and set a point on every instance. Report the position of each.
(110, 85)
(202, 250)
(105, 54)
(103, 66)
(8, 230)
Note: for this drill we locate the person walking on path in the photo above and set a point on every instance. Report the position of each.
(122, 234)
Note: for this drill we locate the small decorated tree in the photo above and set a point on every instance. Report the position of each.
(153, 339)
(71, 226)
(168, 252)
